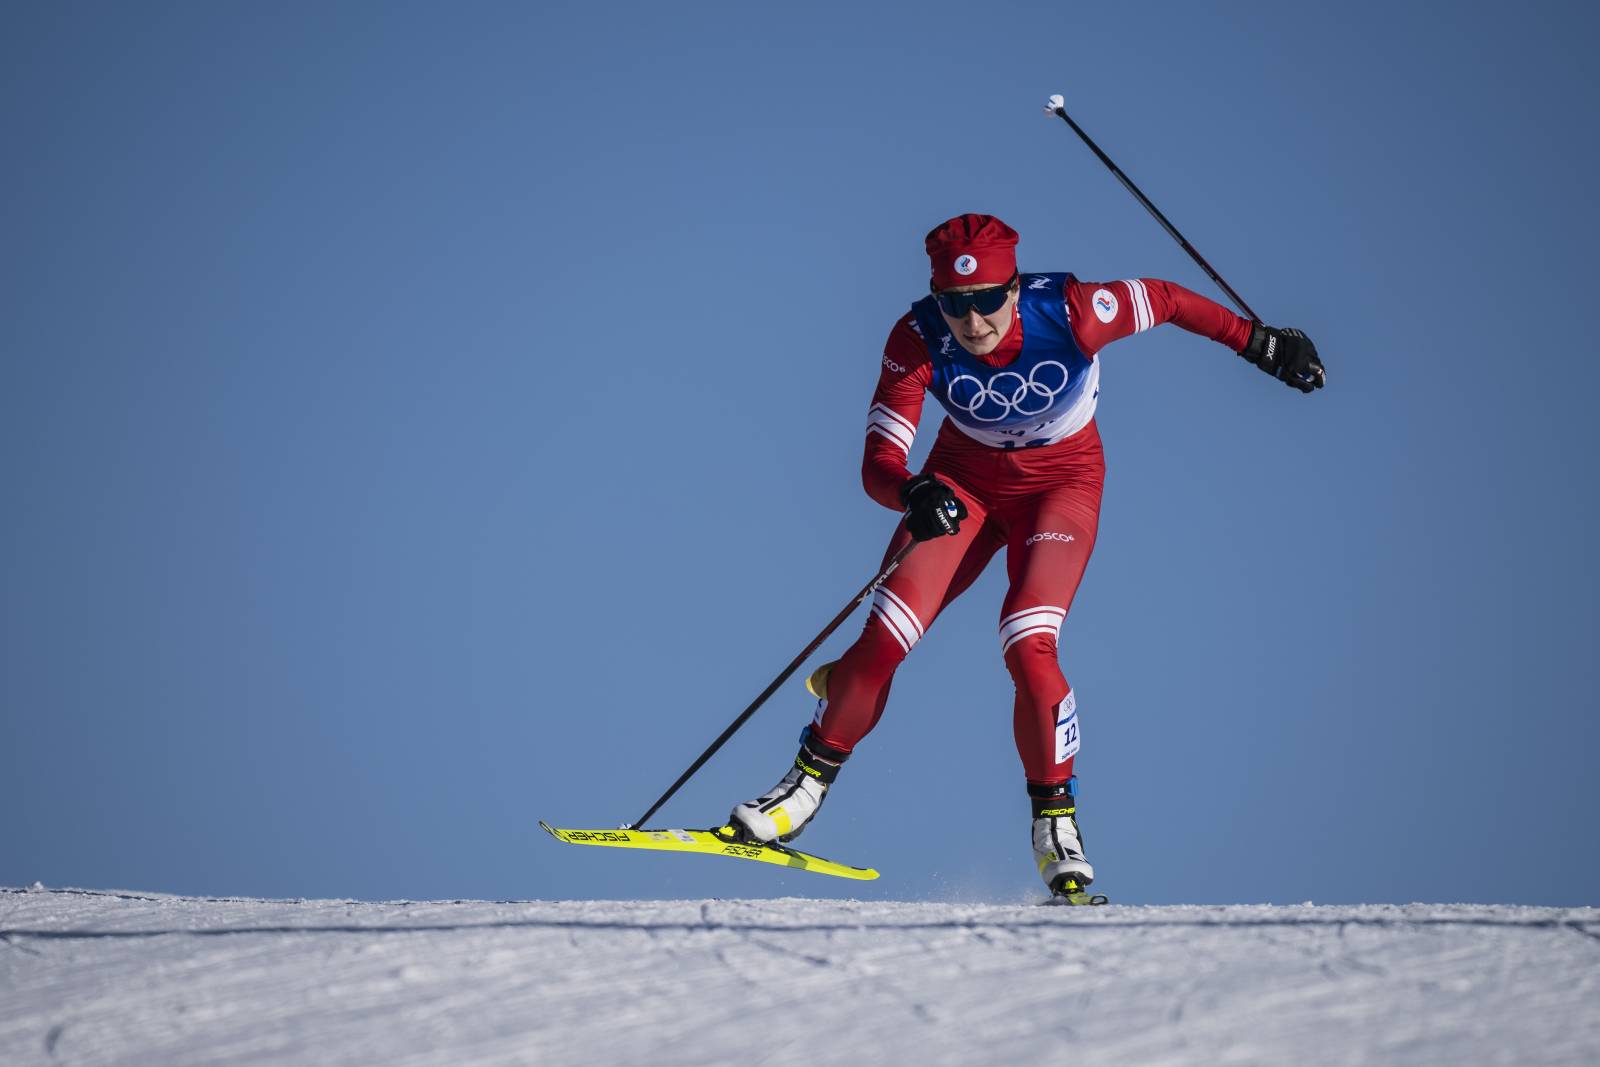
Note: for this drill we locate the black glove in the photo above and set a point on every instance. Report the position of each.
(932, 510)
(1287, 355)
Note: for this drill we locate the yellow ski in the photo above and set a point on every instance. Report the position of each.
(712, 842)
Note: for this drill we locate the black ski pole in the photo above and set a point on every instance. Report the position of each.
(871, 588)
(1057, 106)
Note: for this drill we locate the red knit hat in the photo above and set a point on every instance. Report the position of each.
(972, 250)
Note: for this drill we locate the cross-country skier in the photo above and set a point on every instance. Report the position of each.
(1013, 359)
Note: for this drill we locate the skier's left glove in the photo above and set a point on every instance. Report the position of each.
(932, 508)
(1287, 355)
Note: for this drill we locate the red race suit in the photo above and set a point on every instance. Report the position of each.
(1037, 497)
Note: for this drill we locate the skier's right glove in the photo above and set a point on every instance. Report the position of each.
(1287, 355)
(932, 508)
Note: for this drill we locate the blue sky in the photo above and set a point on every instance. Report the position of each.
(420, 420)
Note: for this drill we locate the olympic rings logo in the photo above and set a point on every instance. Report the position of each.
(998, 399)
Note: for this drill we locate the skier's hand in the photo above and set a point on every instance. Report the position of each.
(1287, 355)
(932, 509)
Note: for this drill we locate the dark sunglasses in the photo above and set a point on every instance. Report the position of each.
(983, 301)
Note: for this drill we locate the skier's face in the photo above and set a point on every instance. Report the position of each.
(981, 334)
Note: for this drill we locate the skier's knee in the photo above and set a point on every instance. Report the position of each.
(1031, 629)
(1035, 668)
(895, 620)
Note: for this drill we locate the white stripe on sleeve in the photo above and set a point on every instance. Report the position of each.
(891, 424)
(1133, 302)
(1143, 317)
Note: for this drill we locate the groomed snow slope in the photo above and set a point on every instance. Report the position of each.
(92, 978)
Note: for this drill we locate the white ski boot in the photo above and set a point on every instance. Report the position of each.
(1057, 844)
(783, 811)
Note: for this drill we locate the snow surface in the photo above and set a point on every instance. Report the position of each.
(97, 977)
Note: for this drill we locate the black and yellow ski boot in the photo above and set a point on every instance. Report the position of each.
(1058, 844)
(783, 811)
